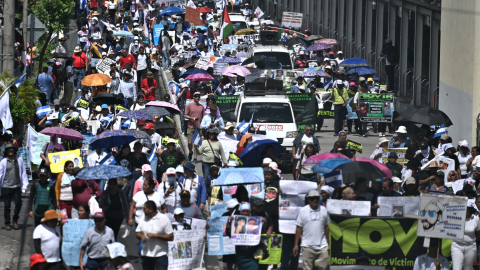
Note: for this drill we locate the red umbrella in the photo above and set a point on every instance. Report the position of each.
(317, 158)
(172, 108)
(204, 10)
(377, 164)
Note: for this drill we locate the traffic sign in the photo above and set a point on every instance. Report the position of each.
(35, 28)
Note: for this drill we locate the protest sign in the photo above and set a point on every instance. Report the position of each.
(186, 250)
(289, 76)
(157, 30)
(219, 243)
(84, 149)
(58, 160)
(193, 15)
(348, 208)
(354, 145)
(73, 232)
(104, 65)
(389, 242)
(226, 105)
(274, 244)
(255, 74)
(41, 141)
(219, 67)
(292, 199)
(304, 104)
(397, 206)
(246, 230)
(376, 107)
(256, 190)
(25, 156)
(325, 106)
(202, 62)
(229, 145)
(195, 223)
(292, 19)
(442, 216)
(244, 38)
(400, 153)
(356, 267)
(446, 164)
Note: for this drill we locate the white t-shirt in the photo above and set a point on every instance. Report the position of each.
(305, 140)
(472, 225)
(140, 198)
(83, 35)
(192, 187)
(313, 223)
(73, 77)
(93, 158)
(112, 5)
(50, 242)
(173, 199)
(159, 224)
(476, 163)
(141, 62)
(136, 107)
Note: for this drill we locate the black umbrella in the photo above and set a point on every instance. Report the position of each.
(296, 41)
(313, 37)
(355, 169)
(425, 115)
(139, 134)
(59, 55)
(155, 111)
(162, 125)
(254, 59)
(109, 99)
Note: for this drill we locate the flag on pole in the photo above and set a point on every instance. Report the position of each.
(227, 27)
(5, 114)
(32, 137)
(440, 131)
(250, 124)
(153, 153)
(19, 81)
(334, 178)
(196, 138)
(43, 111)
(108, 160)
(243, 127)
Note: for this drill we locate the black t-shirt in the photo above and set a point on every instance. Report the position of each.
(124, 161)
(81, 22)
(138, 162)
(172, 160)
(271, 202)
(127, 4)
(17, 53)
(395, 169)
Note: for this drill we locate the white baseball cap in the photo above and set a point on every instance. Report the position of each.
(178, 211)
(171, 171)
(329, 67)
(339, 52)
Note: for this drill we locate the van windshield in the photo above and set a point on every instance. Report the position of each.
(274, 59)
(266, 112)
(239, 25)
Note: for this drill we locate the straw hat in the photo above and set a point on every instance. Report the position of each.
(51, 214)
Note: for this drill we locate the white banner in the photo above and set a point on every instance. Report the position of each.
(292, 199)
(186, 250)
(103, 65)
(398, 206)
(292, 19)
(348, 208)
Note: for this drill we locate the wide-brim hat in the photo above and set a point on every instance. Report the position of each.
(51, 214)
(77, 49)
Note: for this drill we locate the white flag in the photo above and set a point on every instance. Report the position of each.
(31, 141)
(5, 115)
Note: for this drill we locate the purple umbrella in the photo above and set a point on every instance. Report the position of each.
(64, 133)
(318, 47)
(229, 60)
(199, 77)
(313, 73)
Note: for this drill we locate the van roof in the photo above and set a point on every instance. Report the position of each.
(269, 48)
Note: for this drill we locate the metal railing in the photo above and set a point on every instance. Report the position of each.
(403, 86)
(424, 92)
(381, 68)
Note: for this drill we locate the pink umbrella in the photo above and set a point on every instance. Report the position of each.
(172, 108)
(377, 164)
(317, 158)
(64, 133)
(199, 77)
(236, 70)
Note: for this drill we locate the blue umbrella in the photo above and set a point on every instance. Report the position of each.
(103, 172)
(136, 115)
(112, 138)
(362, 71)
(172, 11)
(327, 165)
(229, 60)
(155, 111)
(355, 62)
(239, 176)
(252, 155)
(194, 71)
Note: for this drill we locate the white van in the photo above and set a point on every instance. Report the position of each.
(278, 56)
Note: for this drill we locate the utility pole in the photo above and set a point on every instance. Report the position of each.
(25, 24)
(9, 36)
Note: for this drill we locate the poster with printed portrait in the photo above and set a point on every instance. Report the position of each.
(246, 230)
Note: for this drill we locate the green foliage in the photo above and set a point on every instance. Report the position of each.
(22, 109)
(50, 47)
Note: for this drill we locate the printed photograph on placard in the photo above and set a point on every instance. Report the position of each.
(246, 230)
(347, 212)
(276, 241)
(397, 211)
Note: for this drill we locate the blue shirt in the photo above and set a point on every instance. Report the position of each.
(207, 120)
(405, 142)
(201, 38)
(294, 90)
(45, 82)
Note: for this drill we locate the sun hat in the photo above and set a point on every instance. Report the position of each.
(401, 129)
(51, 214)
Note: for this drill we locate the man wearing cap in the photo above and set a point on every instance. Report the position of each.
(195, 185)
(152, 145)
(340, 98)
(149, 87)
(401, 140)
(411, 189)
(171, 189)
(312, 229)
(393, 166)
(296, 87)
(13, 182)
(190, 209)
(95, 24)
(194, 112)
(257, 210)
(96, 240)
(42, 196)
(47, 237)
(80, 63)
(128, 88)
(180, 224)
(172, 157)
(154, 230)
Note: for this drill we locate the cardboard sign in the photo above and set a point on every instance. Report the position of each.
(246, 230)
(58, 160)
(104, 65)
(193, 15)
(274, 244)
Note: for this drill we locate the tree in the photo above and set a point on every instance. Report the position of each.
(55, 14)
